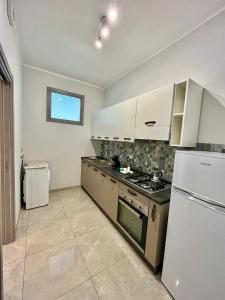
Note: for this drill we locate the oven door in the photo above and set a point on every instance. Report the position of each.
(133, 222)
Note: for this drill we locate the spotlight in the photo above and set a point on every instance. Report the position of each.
(112, 14)
(98, 43)
(105, 31)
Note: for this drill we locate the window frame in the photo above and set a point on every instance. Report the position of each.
(51, 90)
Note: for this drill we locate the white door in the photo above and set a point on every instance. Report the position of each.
(194, 260)
(154, 110)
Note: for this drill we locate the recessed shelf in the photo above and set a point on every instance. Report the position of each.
(179, 97)
(176, 130)
(186, 114)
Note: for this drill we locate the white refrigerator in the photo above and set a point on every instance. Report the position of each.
(194, 260)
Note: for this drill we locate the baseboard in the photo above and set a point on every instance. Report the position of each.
(65, 188)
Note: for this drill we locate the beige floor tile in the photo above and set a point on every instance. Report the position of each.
(52, 210)
(22, 220)
(13, 280)
(101, 248)
(76, 201)
(42, 235)
(129, 279)
(84, 291)
(54, 271)
(87, 220)
(16, 250)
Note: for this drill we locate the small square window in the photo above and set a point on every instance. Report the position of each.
(64, 107)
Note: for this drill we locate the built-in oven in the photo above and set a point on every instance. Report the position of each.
(132, 218)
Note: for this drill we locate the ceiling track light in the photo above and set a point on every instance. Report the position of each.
(104, 31)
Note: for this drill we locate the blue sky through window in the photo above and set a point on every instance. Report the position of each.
(65, 107)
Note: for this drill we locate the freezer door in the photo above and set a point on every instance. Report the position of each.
(194, 261)
(201, 175)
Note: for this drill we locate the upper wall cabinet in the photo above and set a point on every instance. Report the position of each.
(186, 114)
(154, 111)
(116, 122)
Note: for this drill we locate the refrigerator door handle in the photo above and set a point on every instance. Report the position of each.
(211, 205)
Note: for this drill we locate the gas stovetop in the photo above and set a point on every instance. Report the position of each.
(144, 182)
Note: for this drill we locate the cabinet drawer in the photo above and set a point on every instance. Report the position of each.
(155, 132)
(144, 200)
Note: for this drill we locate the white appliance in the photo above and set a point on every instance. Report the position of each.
(194, 261)
(36, 184)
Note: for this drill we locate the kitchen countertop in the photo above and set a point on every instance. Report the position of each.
(158, 197)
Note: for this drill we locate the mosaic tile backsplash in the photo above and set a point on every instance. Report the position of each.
(147, 155)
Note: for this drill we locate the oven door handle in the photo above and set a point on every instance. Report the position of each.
(130, 209)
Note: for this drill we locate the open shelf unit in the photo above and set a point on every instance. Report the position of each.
(186, 114)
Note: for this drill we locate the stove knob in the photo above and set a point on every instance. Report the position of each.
(131, 201)
(140, 207)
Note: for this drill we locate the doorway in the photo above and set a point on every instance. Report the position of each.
(7, 180)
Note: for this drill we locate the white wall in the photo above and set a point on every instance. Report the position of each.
(10, 43)
(62, 145)
(200, 56)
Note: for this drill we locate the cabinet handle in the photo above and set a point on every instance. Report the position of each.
(114, 181)
(115, 138)
(99, 137)
(132, 193)
(150, 123)
(127, 139)
(92, 137)
(103, 174)
(153, 214)
(106, 137)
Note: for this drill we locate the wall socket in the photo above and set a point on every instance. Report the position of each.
(130, 156)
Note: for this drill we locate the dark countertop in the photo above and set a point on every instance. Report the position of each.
(158, 197)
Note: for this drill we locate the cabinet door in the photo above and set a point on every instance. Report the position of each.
(110, 203)
(94, 183)
(156, 233)
(117, 116)
(84, 175)
(102, 189)
(154, 111)
(128, 119)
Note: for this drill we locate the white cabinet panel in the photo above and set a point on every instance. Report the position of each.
(154, 111)
(116, 122)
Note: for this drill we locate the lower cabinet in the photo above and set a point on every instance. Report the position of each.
(103, 188)
(156, 233)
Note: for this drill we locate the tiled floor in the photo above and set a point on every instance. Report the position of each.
(69, 250)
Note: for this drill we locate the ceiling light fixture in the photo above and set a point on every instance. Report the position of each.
(104, 28)
(112, 13)
(98, 43)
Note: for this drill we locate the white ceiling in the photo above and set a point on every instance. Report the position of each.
(59, 35)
